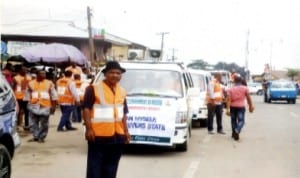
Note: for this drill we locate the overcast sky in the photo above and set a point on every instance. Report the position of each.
(212, 30)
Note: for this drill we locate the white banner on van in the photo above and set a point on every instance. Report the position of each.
(151, 120)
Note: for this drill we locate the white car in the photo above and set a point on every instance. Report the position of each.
(255, 88)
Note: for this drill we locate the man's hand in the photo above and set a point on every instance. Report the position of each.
(77, 103)
(251, 109)
(228, 112)
(52, 110)
(128, 137)
(90, 135)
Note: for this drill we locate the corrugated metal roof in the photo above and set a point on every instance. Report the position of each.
(56, 29)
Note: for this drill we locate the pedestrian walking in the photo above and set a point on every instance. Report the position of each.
(68, 98)
(74, 68)
(80, 88)
(236, 107)
(42, 98)
(214, 100)
(19, 85)
(8, 73)
(105, 112)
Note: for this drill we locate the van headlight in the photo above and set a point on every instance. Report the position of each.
(181, 117)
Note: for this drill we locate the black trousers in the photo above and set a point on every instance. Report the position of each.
(212, 111)
(103, 159)
(23, 110)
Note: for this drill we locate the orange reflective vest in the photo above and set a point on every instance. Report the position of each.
(217, 93)
(21, 85)
(64, 92)
(108, 110)
(79, 89)
(40, 92)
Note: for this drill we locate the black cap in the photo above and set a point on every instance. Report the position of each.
(113, 65)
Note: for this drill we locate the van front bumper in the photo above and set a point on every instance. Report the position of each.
(181, 134)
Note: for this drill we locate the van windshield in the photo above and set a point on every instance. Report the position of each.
(282, 85)
(225, 77)
(152, 83)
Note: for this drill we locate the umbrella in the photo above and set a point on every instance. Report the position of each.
(54, 53)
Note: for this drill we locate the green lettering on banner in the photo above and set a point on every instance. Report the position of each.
(150, 138)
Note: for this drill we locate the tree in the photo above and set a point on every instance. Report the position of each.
(231, 67)
(293, 72)
(198, 64)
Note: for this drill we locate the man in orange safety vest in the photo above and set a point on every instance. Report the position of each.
(105, 112)
(41, 96)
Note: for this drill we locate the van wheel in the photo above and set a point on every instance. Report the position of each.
(5, 164)
(196, 123)
(203, 123)
(293, 101)
(184, 146)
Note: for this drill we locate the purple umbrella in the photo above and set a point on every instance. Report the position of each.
(54, 53)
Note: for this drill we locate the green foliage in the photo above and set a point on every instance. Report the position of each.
(292, 73)
(232, 67)
(198, 64)
(201, 64)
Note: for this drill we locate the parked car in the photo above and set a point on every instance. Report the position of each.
(281, 90)
(255, 88)
(161, 101)
(9, 138)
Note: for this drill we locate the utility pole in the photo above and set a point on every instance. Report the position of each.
(162, 44)
(91, 41)
(173, 54)
(247, 54)
(271, 55)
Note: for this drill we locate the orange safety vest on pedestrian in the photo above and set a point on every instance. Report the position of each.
(80, 91)
(21, 84)
(108, 110)
(218, 93)
(64, 92)
(40, 93)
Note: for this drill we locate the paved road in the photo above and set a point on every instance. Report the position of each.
(269, 148)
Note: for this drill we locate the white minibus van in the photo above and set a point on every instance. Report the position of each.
(160, 97)
(201, 80)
